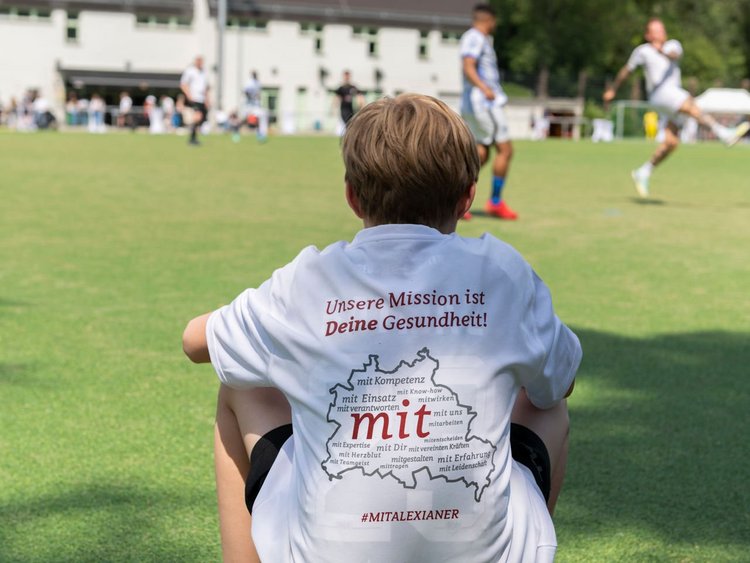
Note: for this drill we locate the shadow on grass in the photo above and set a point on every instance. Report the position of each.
(12, 303)
(105, 523)
(13, 374)
(647, 201)
(659, 438)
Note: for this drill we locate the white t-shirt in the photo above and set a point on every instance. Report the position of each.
(401, 354)
(476, 45)
(126, 103)
(197, 82)
(252, 92)
(660, 70)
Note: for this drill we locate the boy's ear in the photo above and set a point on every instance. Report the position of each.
(464, 204)
(353, 201)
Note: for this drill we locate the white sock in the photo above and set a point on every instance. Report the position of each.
(646, 169)
(723, 133)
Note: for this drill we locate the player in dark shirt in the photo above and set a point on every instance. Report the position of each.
(347, 93)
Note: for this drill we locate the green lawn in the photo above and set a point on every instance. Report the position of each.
(109, 244)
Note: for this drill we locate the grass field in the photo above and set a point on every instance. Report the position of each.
(109, 244)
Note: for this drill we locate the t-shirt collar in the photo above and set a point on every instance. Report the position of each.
(381, 232)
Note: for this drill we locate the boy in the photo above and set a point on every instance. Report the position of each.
(401, 360)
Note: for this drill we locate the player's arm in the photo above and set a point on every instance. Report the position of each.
(194, 342)
(671, 55)
(470, 72)
(671, 49)
(609, 93)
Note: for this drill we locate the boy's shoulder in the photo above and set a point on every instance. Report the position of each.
(396, 237)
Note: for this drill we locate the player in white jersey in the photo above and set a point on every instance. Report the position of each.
(660, 59)
(482, 104)
(194, 84)
(424, 374)
(254, 108)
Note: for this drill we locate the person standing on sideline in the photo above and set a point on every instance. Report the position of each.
(124, 118)
(194, 84)
(254, 109)
(660, 59)
(347, 94)
(97, 108)
(482, 105)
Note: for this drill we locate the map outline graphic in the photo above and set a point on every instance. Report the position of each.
(373, 361)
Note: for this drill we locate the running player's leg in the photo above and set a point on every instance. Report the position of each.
(198, 117)
(729, 135)
(642, 176)
(496, 206)
(242, 418)
(484, 153)
(553, 427)
(501, 164)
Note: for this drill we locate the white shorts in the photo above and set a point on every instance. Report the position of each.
(668, 100)
(486, 118)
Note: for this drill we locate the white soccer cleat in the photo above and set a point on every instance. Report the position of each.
(641, 182)
(737, 133)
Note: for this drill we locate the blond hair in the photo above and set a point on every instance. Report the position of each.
(409, 159)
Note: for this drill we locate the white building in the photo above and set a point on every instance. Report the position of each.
(298, 47)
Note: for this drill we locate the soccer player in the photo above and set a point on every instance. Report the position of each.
(254, 108)
(482, 105)
(194, 84)
(347, 94)
(401, 396)
(660, 59)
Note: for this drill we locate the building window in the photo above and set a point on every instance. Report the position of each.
(424, 45)
(71, 28)
(450, 37)
(370, 35)
(33, 14)
(171, 22)
(314, 30)
(246, 23)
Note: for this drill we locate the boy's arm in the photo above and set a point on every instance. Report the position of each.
(194, 342)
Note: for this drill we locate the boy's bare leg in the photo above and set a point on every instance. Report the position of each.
(552, 426)
(242, 418)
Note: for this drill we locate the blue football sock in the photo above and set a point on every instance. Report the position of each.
(497, 189)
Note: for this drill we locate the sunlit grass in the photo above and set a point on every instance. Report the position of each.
(109, 244)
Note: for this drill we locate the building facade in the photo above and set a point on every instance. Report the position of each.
(299, 50)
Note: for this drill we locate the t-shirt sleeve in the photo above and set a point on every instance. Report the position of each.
(471, 45)
(673, 47)
(636, 59)
(237, 342)
(560, 351)
(185, 78)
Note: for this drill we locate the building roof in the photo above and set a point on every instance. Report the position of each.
(143, 81)
(162, 7)
(447, 15)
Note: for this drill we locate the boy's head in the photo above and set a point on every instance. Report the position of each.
(409, 159)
